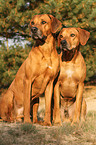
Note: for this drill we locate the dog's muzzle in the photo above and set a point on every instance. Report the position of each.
(34, 29)
(64, 45)
(37, 34)
(64, 42)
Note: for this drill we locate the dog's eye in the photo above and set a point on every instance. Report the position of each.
(32, 23)
(61, 36)
(43, 22)
(72, 35)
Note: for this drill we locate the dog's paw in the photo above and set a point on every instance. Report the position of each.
(57, 123)
(46, 123)
(27, 120)
(74, 122)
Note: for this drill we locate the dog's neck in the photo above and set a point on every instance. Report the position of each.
(69, 55)
(47, 47)
(39, 43)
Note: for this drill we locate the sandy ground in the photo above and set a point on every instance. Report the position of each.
(90, 97)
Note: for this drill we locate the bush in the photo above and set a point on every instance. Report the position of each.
(10, 61)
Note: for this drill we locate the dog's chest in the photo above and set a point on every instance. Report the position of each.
(45, 65)
(49, 65)
(67, 71)
(46, 72)
(68, 80)
(69, 74)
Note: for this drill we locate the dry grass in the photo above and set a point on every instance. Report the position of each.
(33, 134)
(27, 134)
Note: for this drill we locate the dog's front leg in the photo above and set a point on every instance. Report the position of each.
(79, 96)
(48, 97)
(35, 109)
(27, 89)
(56, 111)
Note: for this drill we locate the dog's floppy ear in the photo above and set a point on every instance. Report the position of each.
(84, 36)
(59, 39)
(55, 24)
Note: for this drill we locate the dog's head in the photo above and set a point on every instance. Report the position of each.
(42, 25)
(70, 38)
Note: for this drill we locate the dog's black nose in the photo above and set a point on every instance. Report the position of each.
(63, 42)
(34, 29)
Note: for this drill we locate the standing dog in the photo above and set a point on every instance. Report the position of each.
(42, 61)
(72, 74)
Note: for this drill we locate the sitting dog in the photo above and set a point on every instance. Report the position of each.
(42, 61)
(72, 75)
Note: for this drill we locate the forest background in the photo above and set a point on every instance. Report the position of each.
(14, 20)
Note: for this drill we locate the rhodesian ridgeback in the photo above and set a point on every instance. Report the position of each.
(41, 66)
(72, 74)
